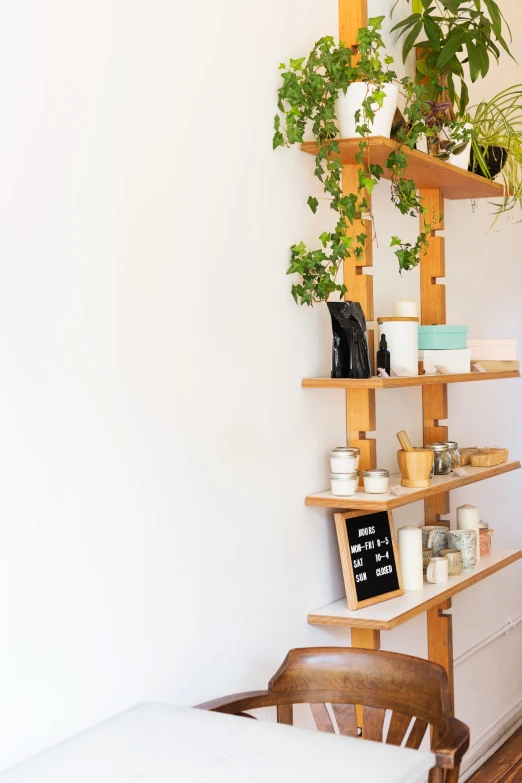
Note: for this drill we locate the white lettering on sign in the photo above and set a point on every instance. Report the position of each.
(356, 548)
(360, 577)
(358, 563)
(366, 531)
(384, 570)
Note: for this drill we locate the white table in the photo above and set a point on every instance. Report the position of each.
(158, 743)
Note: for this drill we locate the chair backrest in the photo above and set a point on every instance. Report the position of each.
(338, 681)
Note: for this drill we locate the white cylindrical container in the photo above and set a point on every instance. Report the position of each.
(344, 484)
(350, 103)
(468, 519)
(405, 308)
(402, 337)
(410, 556)
(376, 481)
(462, 159)
(344, 459)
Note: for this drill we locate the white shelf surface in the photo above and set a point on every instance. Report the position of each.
(389, 614)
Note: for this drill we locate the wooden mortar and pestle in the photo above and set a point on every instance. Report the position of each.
(415, 465)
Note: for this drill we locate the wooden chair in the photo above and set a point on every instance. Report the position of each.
(414, 690)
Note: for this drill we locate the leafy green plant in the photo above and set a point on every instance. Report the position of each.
(308, 95)
(449, 34)
(497, 125)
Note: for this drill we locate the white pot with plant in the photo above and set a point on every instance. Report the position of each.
(351, 113)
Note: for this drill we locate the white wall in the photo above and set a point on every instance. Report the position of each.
(156, 445)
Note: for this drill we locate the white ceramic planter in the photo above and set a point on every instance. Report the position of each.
(462, 160)
(348, 104)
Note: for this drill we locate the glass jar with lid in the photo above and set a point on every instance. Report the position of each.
(441, 459)
(453, 447)
(344, 459)
(376, 481)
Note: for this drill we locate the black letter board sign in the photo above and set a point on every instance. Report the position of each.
(369, 557)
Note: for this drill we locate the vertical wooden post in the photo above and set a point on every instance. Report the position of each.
(440, 639)
(433, 311)
(360, 403)
(365, 639)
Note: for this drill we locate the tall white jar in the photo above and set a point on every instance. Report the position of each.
(347, 105)
(402, 337)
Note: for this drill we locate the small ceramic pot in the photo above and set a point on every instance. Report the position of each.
(435, 537)
(466, 541)
(437, 570)
(427, 554)
(454, 558)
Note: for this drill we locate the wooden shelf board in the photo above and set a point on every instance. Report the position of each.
(389, 614)
(394, 383)
(439, 484)
(426, 171)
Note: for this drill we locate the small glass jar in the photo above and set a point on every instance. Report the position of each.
(376, 481)
(441, 459)
(453, 447)
(344, 484)
(344, 459)
(485, 539)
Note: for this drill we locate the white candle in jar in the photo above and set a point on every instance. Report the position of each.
(410, 556)
(344, 484)
(405, 308)
(468, 519)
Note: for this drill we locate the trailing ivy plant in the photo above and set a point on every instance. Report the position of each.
(449, 34)
(308, 95)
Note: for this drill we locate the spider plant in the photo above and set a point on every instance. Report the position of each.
(497, 126)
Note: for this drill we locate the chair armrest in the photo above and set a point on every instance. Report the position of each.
(237, 702)
(450, 749)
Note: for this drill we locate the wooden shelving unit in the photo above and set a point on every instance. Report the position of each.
(436, 181)
(389, 614)
(395, 383)
(427, 172)
(439, 484)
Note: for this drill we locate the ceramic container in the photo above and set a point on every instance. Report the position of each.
(347, 106)
(443, 336)
(499, 350)
(344, 459)
(454, 558)
(376, 481)
(427, 554)
(485, 539)
(415, 467)
(402, 337)
(468, 518)
(344, 484)
(435, 537)
(437, 570)
(465, 540)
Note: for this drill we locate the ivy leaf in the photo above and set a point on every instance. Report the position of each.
(278, 140)
(296, 65)
(451, 47)
(325, 238)
(395, 241)
(313, 203)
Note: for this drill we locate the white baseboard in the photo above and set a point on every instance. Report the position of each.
(490, 739)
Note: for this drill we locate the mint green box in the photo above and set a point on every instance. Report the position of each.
(443, 337)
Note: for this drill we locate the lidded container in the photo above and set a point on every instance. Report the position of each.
(376, 481)
(344, 459)
(443, 336)
(344, 484)
(441, 458)
(485, 539)
(453, 447)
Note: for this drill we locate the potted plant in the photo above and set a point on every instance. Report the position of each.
(308, 96)
(497, 142)
(447, 34)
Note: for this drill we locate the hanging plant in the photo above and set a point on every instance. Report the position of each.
(308, 95)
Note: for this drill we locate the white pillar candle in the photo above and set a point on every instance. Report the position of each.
(410, 556)
(468, 519)
(405, 308)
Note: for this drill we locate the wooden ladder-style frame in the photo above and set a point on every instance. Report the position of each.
(360, 403)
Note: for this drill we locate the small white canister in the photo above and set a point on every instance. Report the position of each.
(376, 481)
(344, 459)
(402, 337)
(344, 484)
